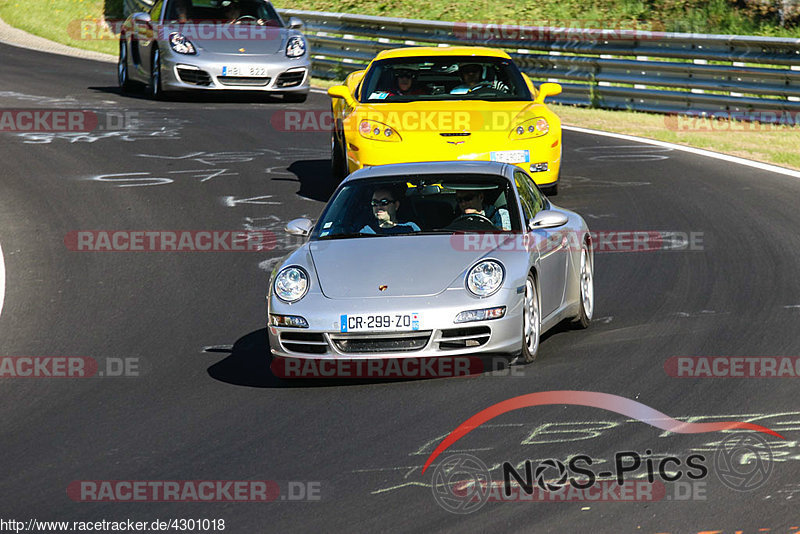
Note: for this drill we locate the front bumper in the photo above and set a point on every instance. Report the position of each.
(185, 72)
(365, 153)
(437, 336)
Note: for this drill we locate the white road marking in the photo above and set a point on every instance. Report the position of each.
(2, 280)
(691, 150)
(232, 202)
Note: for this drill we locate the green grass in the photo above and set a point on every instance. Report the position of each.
(62, 21)
(743, 17)
(58, 20)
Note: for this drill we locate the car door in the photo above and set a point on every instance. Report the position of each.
(551, 245)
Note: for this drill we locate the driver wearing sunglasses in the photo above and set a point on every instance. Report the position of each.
(384, 207)
(471, 202)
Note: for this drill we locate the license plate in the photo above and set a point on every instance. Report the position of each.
(384, 322)
(255, 71)
(511, 156)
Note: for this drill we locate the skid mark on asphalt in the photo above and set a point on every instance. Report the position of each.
(584, 181)
(628, 153)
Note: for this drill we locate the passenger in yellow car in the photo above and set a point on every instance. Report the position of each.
(471, 203)
(384, 208)
(404, 83)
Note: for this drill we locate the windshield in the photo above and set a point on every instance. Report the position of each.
(232, 11)
(426, 204)
(444, 78)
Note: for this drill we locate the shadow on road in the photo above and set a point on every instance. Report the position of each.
(194, 97)
(315, 178)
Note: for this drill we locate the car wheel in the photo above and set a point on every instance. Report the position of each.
(586, 290)
(550, 191)
(155, 88)
(338, 158)
(122, 66)
(295, 98)
(531, 322)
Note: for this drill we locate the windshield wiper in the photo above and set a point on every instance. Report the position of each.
(350, 235)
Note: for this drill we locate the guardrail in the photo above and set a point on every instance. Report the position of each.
(616, 69)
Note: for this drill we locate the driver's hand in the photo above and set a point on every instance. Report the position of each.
(469, 211)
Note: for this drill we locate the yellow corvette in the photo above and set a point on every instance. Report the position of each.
(441, 104)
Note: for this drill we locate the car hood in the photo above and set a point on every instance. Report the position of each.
(235, 40)
(409, 266)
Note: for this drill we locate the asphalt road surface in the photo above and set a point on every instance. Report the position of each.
(199, 402)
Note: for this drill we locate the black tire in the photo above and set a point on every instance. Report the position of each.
(551, 190)
(531, 321)
(338, 157)
(123, 78)
(586, 290)
(295, 98)
(155, 88)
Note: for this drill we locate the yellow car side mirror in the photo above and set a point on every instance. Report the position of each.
(547, 89)
(341, 91)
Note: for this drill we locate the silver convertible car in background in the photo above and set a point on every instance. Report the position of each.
(431, 259)
(213, 45)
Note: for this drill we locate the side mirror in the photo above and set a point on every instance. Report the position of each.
(295, 23)
(301, 227)
(547, 89)
(547, 219)
(341, 91)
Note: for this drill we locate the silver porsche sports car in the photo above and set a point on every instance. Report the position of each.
(431, 259)
(214, 44)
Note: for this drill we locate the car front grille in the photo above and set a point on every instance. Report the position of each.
(243, 80)
(304, 342)
(290, 79)
(391, 342)
(194, 76)
(464, 338)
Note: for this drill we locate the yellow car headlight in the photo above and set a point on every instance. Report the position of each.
(529, 129)
(377, 131)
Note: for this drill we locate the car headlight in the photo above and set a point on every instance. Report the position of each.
(291, 284)
(529, 129)
(485, 278)
(181, 44)
(377, 131)
(296, 46)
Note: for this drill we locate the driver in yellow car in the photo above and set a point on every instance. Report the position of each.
(472, 76)
(471, 203)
